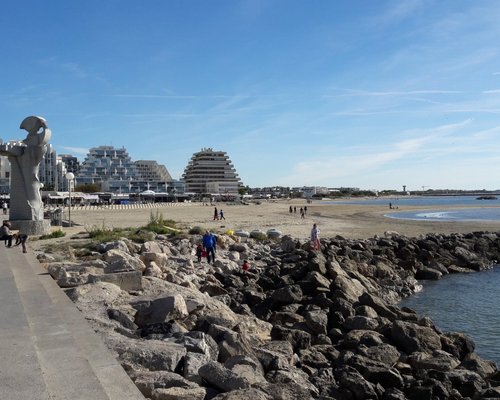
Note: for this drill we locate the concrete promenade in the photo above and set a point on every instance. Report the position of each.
(47, 349)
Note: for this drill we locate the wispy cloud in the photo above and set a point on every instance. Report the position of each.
(74, 69)
(370, 159)
(367, 93)
(75, 150)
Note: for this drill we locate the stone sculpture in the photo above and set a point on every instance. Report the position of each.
(26, 207)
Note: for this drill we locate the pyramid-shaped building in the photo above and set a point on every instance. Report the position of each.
(211, 171)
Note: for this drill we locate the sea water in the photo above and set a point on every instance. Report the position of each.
(477, 210)
(466, 303)
(466, 214)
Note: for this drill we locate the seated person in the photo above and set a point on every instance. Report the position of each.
(5, 233)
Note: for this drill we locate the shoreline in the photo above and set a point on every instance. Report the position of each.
(354, 221)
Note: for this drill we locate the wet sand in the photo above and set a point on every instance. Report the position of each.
(348, 220)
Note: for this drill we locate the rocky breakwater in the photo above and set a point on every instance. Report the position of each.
(299, 325)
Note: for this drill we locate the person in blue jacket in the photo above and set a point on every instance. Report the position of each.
(209, 245)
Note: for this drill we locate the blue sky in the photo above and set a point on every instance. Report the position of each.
(371, 94)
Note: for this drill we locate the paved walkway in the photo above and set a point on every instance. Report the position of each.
(47, 348)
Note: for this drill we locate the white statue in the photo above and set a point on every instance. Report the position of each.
(25, 157)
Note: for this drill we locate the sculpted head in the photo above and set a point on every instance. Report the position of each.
(38, 133)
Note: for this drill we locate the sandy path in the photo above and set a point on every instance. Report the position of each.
(352, 221)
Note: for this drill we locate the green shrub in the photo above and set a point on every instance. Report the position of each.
(56, 234)
(158, 224)
(104, 234)
(197, 230)
(259, 236)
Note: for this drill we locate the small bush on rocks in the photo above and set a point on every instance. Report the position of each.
(56, 234)
(196, 230)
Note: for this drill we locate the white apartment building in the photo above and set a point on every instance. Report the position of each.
(211, 171)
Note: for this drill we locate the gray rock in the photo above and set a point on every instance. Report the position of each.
(163, 385)
(458, 344)
(411, 337)
(468, 383)
(292, 375)
(191, 364)
(357, 385)
(475, 363)
(351, 288)
(151, 247)
(384, 353)
(428, 274)
(247, 367)
(120, 261)
(363, 337)
(163, 309)
(130, 280)
(288, 244)
(378, 305)
(244, 394)
(156, 356)
(179, 393)
(222, 378)
(317, 321)
(366, 311)
(287, 295)
(439, 361)
(359, 322)
(285, 391)
(116, 245)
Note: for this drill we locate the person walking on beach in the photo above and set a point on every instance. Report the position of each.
(216, 214)
(4, 207)
(315, 238)
(305, 210)
(221, 215)
(301, 212)
(209, 246)
(291, 210)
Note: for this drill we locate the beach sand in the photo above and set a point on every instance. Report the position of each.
(348, 220)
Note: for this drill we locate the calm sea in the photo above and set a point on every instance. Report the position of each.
(464, 303)
(459, 302)
(477, 210)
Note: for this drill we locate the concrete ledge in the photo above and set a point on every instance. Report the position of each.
(49, 351)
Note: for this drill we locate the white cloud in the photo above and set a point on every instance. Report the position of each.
(76, 150)
(357, 161)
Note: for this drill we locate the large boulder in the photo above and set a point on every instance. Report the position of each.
(164, 309)
(222, 378)
(288, 294)
(120, 261)
(165, 385)
(410, 337)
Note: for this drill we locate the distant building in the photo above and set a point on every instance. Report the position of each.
(115, 172)
(150, 170)
(4, 175)
(211, 171)
(108, 167)
(71, 163)
(47, 171)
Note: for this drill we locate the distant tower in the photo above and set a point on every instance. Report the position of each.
(211, 171)
(404, 188)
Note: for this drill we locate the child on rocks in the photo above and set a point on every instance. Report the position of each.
(199, 251)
